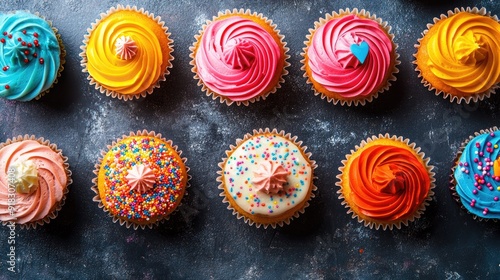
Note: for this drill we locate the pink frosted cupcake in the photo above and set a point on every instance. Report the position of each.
(239, 57)
(34, 180)
(350, 57)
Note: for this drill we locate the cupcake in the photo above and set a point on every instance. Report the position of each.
(385, 182)
(34, 180)
(127, 53)
(141, 179)
(350, 57)
(458, 55)
(32, 56)
(476, 175)
(267, 179)
(239, 57)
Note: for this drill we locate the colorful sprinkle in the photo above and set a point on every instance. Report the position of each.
(162, 199)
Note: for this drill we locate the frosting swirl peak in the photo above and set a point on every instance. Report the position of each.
(270, 177)
(141, 178)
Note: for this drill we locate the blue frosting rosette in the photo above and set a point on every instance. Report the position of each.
(476, 174)
(31, 56)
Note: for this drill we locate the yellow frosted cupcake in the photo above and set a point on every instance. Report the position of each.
(127, 52)
(458, 55)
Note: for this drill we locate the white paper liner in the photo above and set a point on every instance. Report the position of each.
(112, 93)
(428, 85)
(387, 224)
(452, 180)
(395, 56)
(122, 221)
(223, 99)
(247, 136)
(58, 205)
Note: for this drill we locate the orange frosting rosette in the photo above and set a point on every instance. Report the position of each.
(127, 52)
(386, 182)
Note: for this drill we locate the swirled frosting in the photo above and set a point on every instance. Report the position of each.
(270, 177)
(52, 182)
(464, 52)
(247, 159)
(29, 56)
(140, 178)
(134, 68)
(387, 182)
(239, 59)
(334, 65)
(477, 176)
(125, 48)
(119, 194)
(24, 176)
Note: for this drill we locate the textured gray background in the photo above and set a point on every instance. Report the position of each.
(203, 240)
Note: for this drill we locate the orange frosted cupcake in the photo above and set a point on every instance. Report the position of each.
(267, 179)
(458, 55)
(34, 180)
(141, 179)
(385, 182)
(350, 57)
(127, 52)
(239, 57)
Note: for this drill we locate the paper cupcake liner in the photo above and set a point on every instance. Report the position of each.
(247, 136)
(240, 12)
(394, 56)
(377, 224)
(446, 95)
(121, 220)
(112, 93)
(452, 180)
(57, 207)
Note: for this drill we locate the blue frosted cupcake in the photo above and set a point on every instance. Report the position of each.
(475, 179)
(31, 56)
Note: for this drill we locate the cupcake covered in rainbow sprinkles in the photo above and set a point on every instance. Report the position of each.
(141, 179)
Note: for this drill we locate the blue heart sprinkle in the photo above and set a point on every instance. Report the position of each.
(360, 51)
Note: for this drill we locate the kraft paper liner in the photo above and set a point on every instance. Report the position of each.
(307, 156)
(62, 54)
(125, 222)
(377, 224)
(452, 180)
(446, 95)
(57, 207)
(112, 93)
(240, 12)
(394, 57)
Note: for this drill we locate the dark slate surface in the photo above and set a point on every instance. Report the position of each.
(203, 240)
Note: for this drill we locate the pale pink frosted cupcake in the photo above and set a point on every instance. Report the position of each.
(34, 180)
(239, 57)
